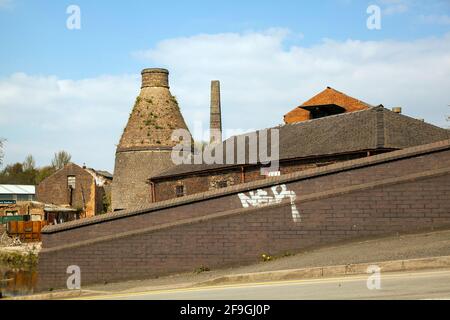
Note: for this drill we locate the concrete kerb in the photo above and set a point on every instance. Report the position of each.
(331, 271)
(52, 295)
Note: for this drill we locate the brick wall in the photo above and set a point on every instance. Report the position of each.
(54, 189)
(402, 191)
(201, 182)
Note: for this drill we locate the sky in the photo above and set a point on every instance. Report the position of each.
(73, 89)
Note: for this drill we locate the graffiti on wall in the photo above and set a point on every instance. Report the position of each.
(261, 198)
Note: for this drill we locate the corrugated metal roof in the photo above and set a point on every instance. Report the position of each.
(17, 189)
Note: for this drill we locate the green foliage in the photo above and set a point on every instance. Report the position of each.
(266, 257)
(25, 173)
(106, 201)
(43, 173)
(15, 174)
(287, 254)
(19, 261)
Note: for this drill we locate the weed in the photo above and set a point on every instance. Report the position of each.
(201, 269)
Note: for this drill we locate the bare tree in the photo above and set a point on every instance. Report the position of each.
(29, 163)
(2, 154)
(448, 116)
(61, 159)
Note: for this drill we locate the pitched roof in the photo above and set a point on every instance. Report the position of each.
(329, 96)
(103, 173)
(333, 96)
(370, 129)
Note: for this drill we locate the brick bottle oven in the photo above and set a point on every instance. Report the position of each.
(145, 147)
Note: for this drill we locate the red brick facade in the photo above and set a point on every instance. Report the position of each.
(165, 188)
(87, 196)
(401, 191)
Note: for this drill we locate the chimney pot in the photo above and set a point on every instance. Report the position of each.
(155, 77)
(397, 109)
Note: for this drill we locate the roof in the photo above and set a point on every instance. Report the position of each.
(333, 96)
(17, 189)
(103, 173)
(364, 130)
(327, 97)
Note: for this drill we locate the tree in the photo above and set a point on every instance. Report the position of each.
(61, 159)
(1, 151)
(14, 174)
(29, 164)
(44, 173)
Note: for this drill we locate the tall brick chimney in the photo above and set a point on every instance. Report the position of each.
(145, 147)
(216, 114)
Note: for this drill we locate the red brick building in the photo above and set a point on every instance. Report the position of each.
(77, 187)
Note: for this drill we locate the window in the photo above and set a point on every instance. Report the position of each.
(71, 182)
(7, 197)
(274, 174)
(221, 184)
(24, 197)
(179, 191)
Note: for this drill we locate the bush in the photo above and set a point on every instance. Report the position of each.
(19, 261)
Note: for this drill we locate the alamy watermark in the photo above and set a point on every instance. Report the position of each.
(374, 280)
(261, 147)
(73, 22)
(374, 19)
(74, 280)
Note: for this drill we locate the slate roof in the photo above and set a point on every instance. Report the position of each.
(104, 173)
(370, 129)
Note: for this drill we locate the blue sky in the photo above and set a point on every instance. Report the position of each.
(36, 41)
(91, 76)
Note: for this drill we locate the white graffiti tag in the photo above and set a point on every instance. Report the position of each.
(261, 198)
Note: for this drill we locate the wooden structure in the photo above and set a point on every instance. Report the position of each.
(26, 231)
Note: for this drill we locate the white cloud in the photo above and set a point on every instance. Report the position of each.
(44, 114)
(261, 80)
(391, 7)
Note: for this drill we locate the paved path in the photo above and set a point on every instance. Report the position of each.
(417, 285)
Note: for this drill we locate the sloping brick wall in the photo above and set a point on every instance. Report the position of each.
(401, 191)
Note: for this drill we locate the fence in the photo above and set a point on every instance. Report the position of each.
(27, 231)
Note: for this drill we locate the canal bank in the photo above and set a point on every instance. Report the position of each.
(18, 276)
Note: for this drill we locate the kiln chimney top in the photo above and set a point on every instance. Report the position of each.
(155, 77)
